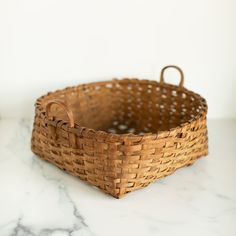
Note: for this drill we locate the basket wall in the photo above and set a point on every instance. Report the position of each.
(174, 136)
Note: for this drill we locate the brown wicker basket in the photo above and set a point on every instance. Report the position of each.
(121, 135)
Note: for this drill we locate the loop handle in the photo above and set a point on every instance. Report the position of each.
(64, 106)
(181, 83)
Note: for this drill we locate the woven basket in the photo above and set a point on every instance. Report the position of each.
(121, 135)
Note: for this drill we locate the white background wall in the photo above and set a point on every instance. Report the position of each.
(46, 45)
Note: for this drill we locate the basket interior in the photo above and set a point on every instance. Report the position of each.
(128, 106)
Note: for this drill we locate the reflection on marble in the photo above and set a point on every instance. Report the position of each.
(39, 199)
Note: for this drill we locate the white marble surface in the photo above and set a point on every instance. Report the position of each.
(37, 198)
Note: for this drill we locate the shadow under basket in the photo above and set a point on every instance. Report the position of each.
(121, 135)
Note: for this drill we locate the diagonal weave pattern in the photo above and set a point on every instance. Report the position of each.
(121, 135)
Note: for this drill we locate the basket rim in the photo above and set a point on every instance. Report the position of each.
(64, 124)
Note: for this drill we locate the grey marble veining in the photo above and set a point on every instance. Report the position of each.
(37, 198)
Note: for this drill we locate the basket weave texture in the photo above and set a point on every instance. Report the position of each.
(121, 135)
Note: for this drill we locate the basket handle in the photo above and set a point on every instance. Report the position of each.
(64, 106)
(181, 83)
